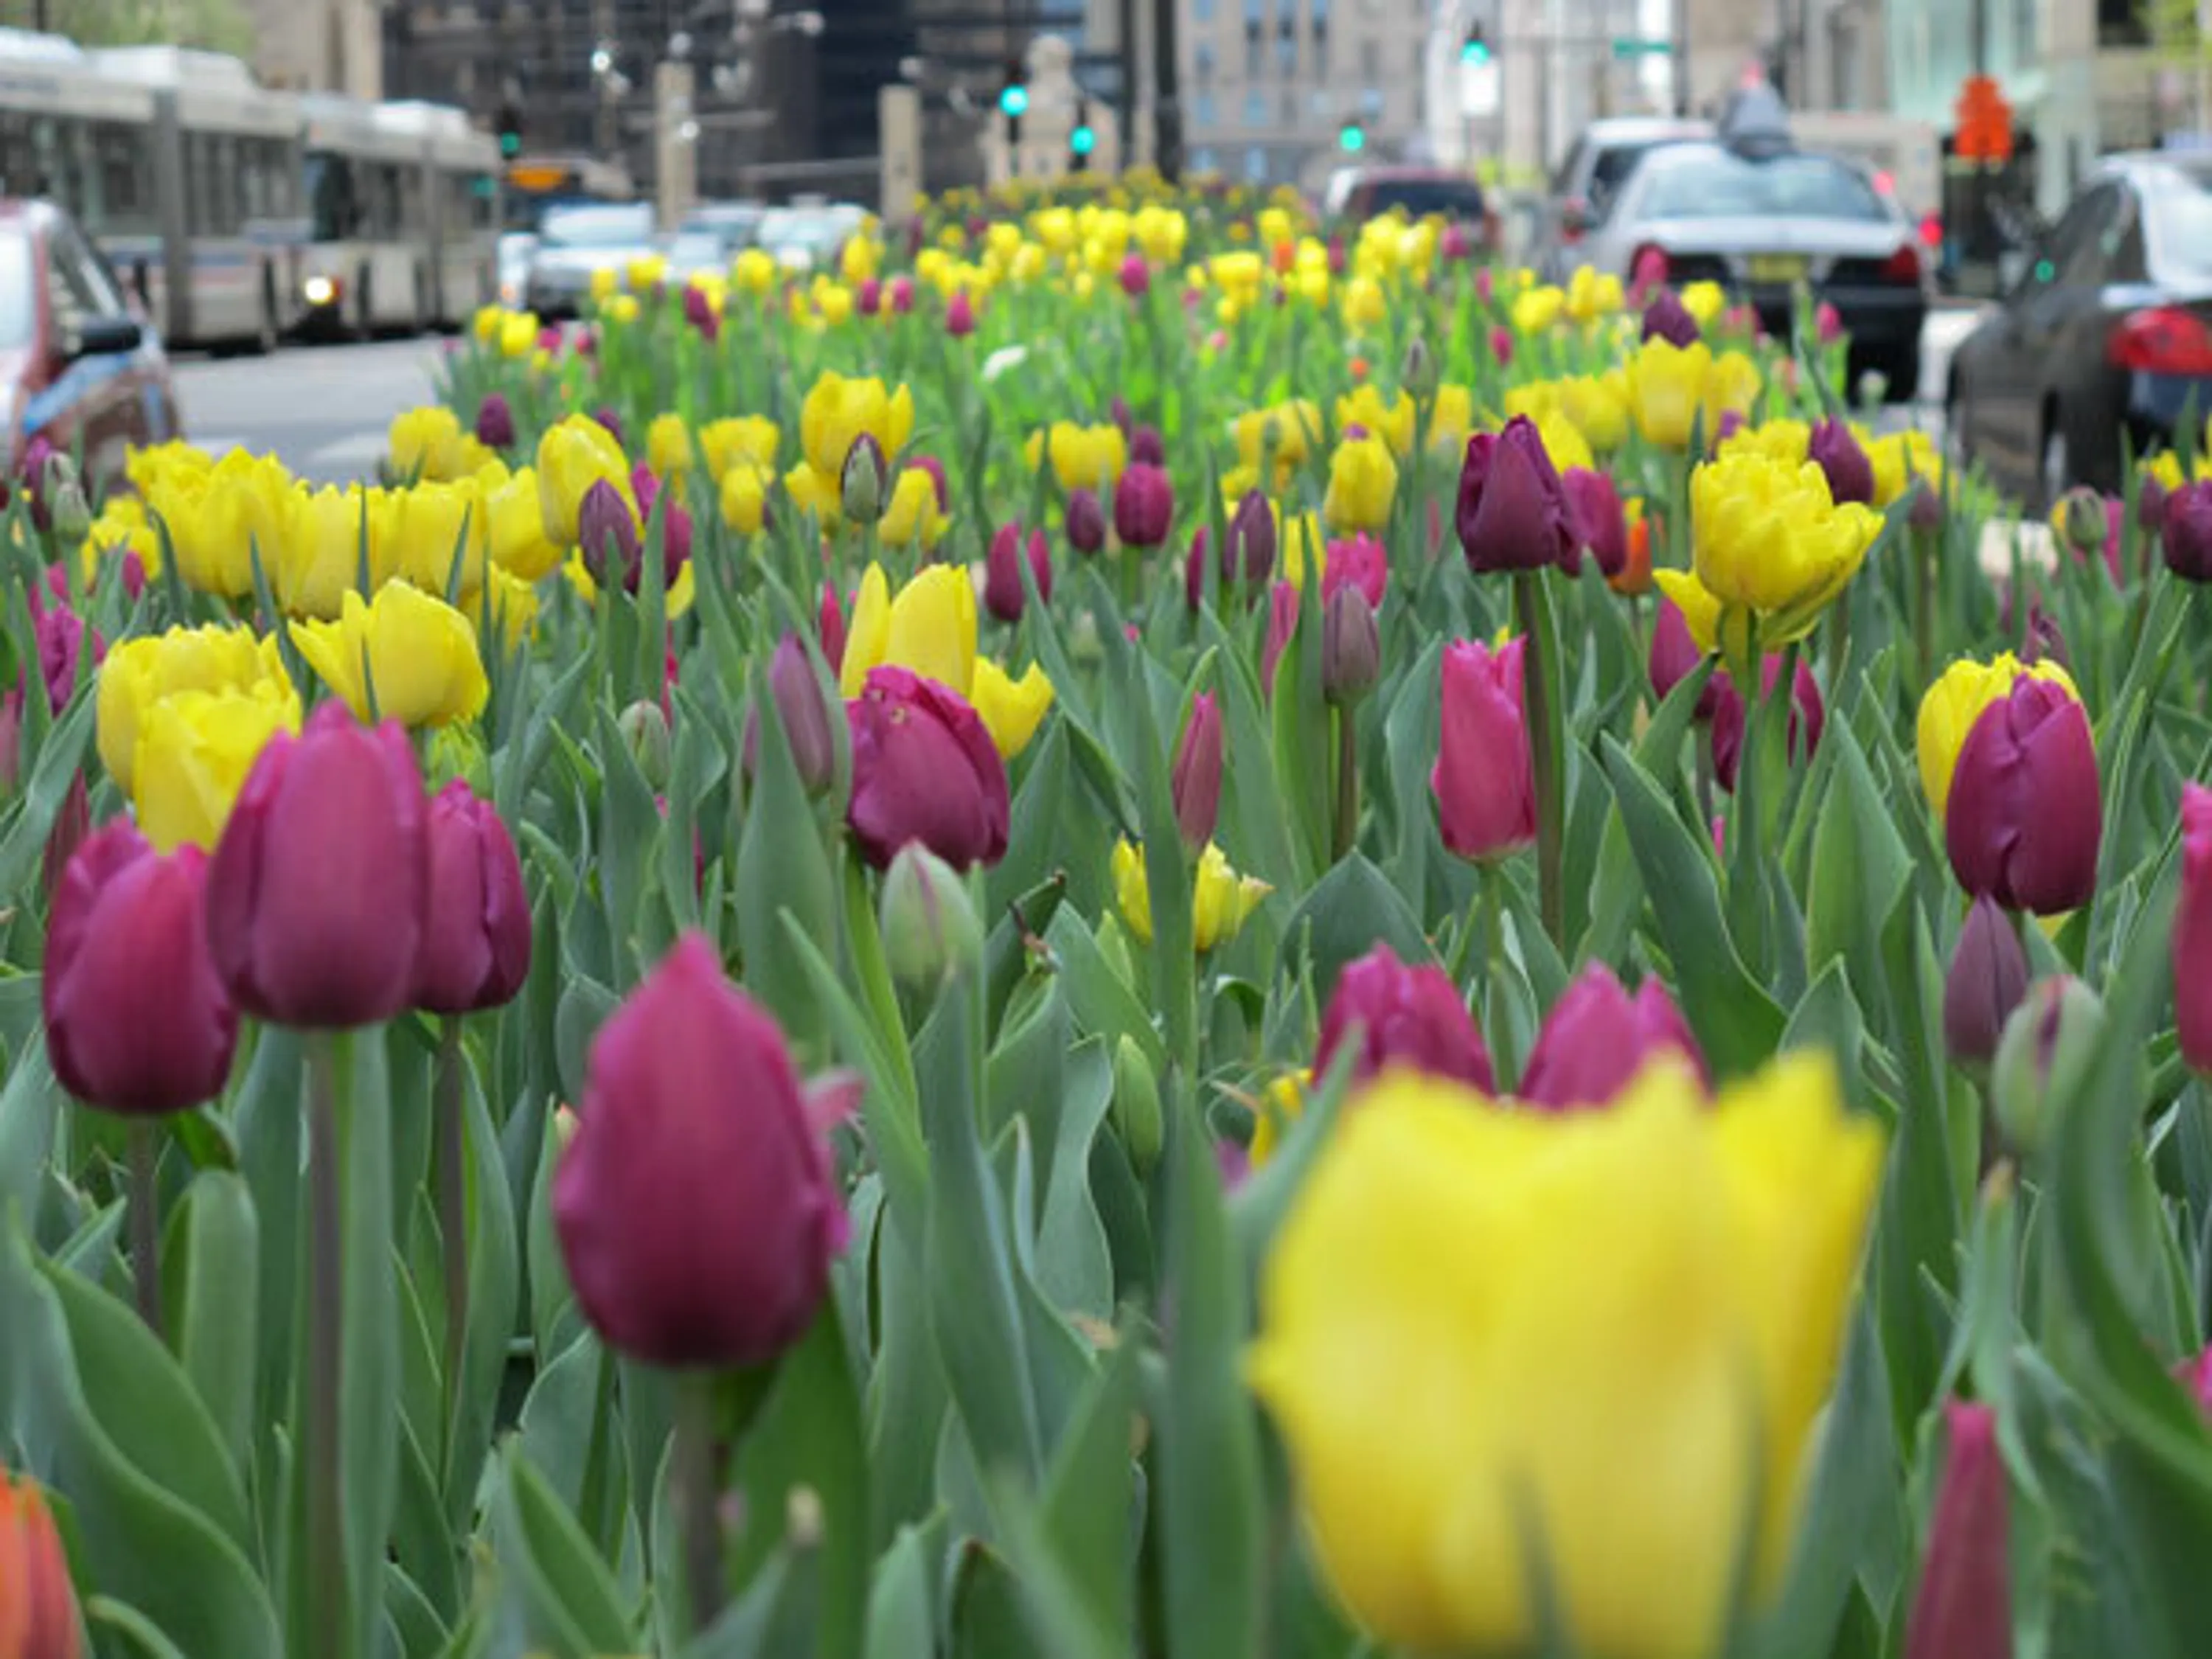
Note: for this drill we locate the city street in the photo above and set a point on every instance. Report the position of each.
(324, 409)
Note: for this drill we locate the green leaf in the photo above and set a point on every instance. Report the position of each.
(782, 869)
(213, 1248)
(555, 1587)
(1618, 886)
(494, 1291)
(901, 1619)
(269, 1130)
(28, 1106)
(1859, 865)
(1090, 1494)
(23, 843)
(1350, 910)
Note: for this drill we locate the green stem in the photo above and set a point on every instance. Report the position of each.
(453, 1202)
(1347, 785)
(325, 1473)
(1924, 611)
(146, 1221)
(698, 1497)
(1535, 615)
(1493, 959)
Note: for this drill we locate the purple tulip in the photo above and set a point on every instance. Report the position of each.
(1003, 595)
(2185, 524)
(495, 422)
(924, 768)
(2025, 815)
(700, 313)
(697, 1206)
(1667, 318)
(1675, 657)
(1987, 980)
(1808, 714)
(960, 316)
(869, 300)
(1837, 452)
(1597, 1037)
(1282, 623)
(1351, 647)
(1484, 779)
(476, 945)
(2192, 931)
(1963, 1606)
(1086, 521)
(1406, 1016)
(830, 628)
(1144, 506)
(1147, 447)
(1512, 508)
(802, 711)
(1598, 523)
(1136, 276)
(293, 945)
(1196, 777)
(124, 919)
(608, 531)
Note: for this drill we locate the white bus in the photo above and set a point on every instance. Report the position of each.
(182, 168)
(461, 164)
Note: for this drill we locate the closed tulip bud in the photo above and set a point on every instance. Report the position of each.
(1988, 979)
(2043, 641)
(607, 531)
(1195, 780)
(960, 316)
(1408, 1016)
(475, 947)
(1351, 647)
(697, 1206)
(2025, 816)
(70, 514)
(1667, 318)
(126, 918)
(2194, 1374)
(1252, 541)
(1501, 345)
(804, 713)
(1925, 514)
(829, 626)
(1144, 506)
(1827, 323)
(2185, 525)
(1807, 715)
(930, 930)
(1145, 445)
(1193, 566)
(1119, 412)
(1834, 449)
(924, 768)
(2082, 521)
(1512, 512)
(900, 295)
(2051, 1033)
(1086, 521)
(1963, 1607)
(864, 485)
(1418, 375)
(699, 313)
(644, 728)
(1139, 1122)
(1597, 1037)
(1004, 597)
(1598, 523)
(1136, 276)
(37, 1608)
(2192, 931)
(495, 422)
(293, 946)
(1282, 623)
(869, 297)
(1484, 779)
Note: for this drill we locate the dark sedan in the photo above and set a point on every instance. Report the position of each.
(2105, 342)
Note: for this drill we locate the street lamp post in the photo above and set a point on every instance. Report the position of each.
(1167, 100)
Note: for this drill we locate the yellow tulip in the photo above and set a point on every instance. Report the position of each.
(1671, 388)
(1011, 709)
(821, 492)
(1299, 537)
(1959, 697)
(622, 308)
(1537, 309)
(1704, 302)
(1279, 1114)
(1082, 456)
(218, 521)
(1161, 231)
(645, 272)
(605, 279)
(1635, 1400)
(1365, 306)
(1452, 420)
(1592, 294)
(1770, 548)
(194, 750)
(121, 529)
(1732, 385)
(754, 270)
(425, 443)
(835, 301)
(751, 440)
(912, 516)
(512, 605)
(1563, 442)
(514, 523)
(1788, 441)
(838, 410)
(668, 447)
(860, 259)
(1388, 419)
(1362, 481)
(1220, 899)
(744, 500)
(682, 593)
(404, 657)
(322, 554)
(572, 457)
(1904, 456)
(1598, 405)
(518, 334)
(1293, 429)
(487, 323)
(433, 525)
(140, 673)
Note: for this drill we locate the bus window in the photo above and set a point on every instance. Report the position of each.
(121, 166)
(331, 202)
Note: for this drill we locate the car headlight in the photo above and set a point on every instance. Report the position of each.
(318, 290)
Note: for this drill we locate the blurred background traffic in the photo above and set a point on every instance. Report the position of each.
(2004, 202)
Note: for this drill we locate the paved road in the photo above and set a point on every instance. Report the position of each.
(324, 409)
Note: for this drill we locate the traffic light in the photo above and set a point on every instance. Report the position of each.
(1013, 93)
(1082, 140)
(1984, 117)
(1475, 49)
(510, 132)
(1351, 137)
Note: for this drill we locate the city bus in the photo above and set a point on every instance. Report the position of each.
(462, 168)
(531, 187)
(180, 166)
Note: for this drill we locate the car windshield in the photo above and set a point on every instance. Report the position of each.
(1454, 198)
(1615, 164)
(2180, 203)
(693, 247)
(1716, 185)
(612, 227)
(816, 232)
(17, 310)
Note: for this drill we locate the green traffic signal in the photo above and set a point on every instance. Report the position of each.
(1351, 137)
(510, 144)
(1014, 101)
(1474, 52)
(1084, 139)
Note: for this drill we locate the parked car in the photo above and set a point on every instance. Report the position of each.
(806, 236)
(1583, 190)
(2104, 342)
(1768, 222)
(711, 236)
(1359, 194)
(79, 364)
(575, 243)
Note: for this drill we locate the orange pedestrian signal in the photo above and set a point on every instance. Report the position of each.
(1985, 131)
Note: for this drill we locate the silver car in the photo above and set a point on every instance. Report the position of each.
(1583, 189)
(573, 243)
(1768, 222)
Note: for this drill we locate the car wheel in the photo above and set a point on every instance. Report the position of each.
(2056, 471)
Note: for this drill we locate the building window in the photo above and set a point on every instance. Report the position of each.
(1290, 107)
(1255, 166)
(1205, 62)
(1287, 51)
(1201, 11)
(1201, 160)
(1254, 61)
(1370, 61)
(1371, 104)
(1255, 107)
(1202, 109)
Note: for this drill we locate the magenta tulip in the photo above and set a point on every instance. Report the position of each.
(2025, 815)
(1675, 657)
(1512, 512)
(1838, 453)
(1807, 715)
(1086, 521)
(960, 316)
(1484, 779)
(1596, 518)
(1004, 596)
(924, 768)
(1963, 1606)
(1282, 623)
(1409, 1015)
(1361, 561)
(1597, 1038)
(2192, 931)
(1144, 506)
(1196, 777)
(475, 946)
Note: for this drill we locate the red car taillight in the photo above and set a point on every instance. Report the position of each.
(2162, 340)
(1902, 266)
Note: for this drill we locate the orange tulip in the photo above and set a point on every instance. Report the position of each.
(38, 1611)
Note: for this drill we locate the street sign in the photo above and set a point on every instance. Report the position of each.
(1632, 45)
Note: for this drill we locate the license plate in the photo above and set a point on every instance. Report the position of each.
(1778, 267)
